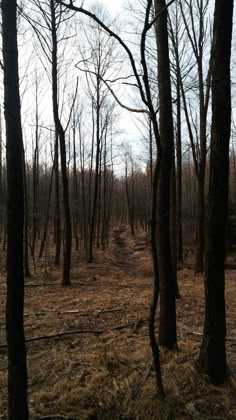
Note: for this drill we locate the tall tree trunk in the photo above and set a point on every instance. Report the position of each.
(17, 372)
(110, 199)
(129, 204)
(212, 358)
(173, 225)
(75, 191)
(1, 181)
(57, 206)
(26, 222)
(200, 223)
(47, 215)
(85, 225)
(90, 177)
(167, 328)
(99, 199)
(104, 216)
(156, 284)
(179, 173)
(61, 134)
(96, 179)
(35, 227)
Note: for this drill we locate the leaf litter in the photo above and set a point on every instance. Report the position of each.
(91, 359)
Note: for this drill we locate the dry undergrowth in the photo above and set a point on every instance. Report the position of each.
(106, 373)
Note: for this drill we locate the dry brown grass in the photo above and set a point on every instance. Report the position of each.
(108, 375)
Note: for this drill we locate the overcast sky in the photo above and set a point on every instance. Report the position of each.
(130, 133)
(114, 6)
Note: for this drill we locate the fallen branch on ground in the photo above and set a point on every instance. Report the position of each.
(200, 335)
(82, 331)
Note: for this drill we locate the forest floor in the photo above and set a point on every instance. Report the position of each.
(88, 347)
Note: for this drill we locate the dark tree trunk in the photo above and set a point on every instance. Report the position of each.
(90, 181)
(35, 227)
(75, 191)
(104, 216)
(57, 207)
(85, 224)
(200, 220)
(179, 173)
(212, 358)
(17, 373)
(1, 181)
(26, 222)
(109, 210)
(99, 199)
(129, 203)
(156, 285)
(167, 329)
(47, 216)
(96, 179)
(61, 135)
(173, 226)
(200, 223)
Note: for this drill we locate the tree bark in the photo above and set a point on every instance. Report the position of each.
(167, 326)
(26, 221)
(75, 191)
(212, 358)
(35, 227)
(96, 176)
(179, 173)
(57, 206)
(17, 372)
(129, 203)
(200, 222)
(156, 284)
(61, 134)
(47, 215)
(173, 225)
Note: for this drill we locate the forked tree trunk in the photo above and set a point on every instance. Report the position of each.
(16, 352)
(212, 358)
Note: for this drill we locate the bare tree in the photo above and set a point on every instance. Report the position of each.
(47, 32)
(17, 372)
(212, 358)
(96, 65)
(196, 28)
(167, 274)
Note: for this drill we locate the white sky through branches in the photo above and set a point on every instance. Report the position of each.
(131, 131)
